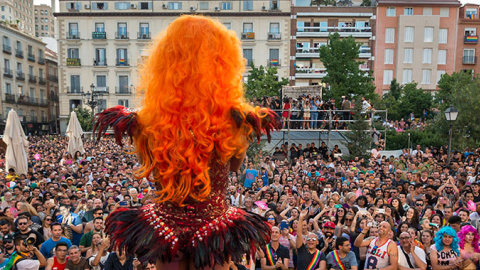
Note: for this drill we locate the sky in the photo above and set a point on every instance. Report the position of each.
(48, 2)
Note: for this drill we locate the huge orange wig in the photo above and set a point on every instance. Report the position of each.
(191, 82)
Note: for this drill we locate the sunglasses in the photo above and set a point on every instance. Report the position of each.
(311, 239)
(48, 219)
(419, 204)
(348, 219)
(22, 223)
(271, 218)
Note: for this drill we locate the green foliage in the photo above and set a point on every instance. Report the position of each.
(324, 2)
(402, 100)
(263, 82)
(343, 70)
(366, 3)
(254, 148)
(359, 139)
(429, 137)
(462, 91)
(85, 118)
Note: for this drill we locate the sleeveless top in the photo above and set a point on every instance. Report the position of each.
(57, 265)
(445, 258)
(377, 256)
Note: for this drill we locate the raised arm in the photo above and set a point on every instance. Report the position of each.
(299, 240)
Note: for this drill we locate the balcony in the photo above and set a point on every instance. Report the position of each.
(20, 76)
(42, 102)
(52, 78)
(19, 53)
(41, 60)
(32, 79)
(364, 52)
(99, 62)
(274, 62)
(317, 31)
(274, 36)
(33, 101)
(470, 39)
(122, 62)
(248, 36)
(54, 97)
(23, 99)
(144, 35)
(121, 35)
(469, 60)
(8, 73)
(307, 52)
(122, 90)
(73, 62)
(310, 73)
(73, 35)
(99, 35)
(41, 80)
(7, 49)
(31, 57)
(9, 98)
(75, 90)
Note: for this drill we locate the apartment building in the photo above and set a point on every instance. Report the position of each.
(467, 39)
(18, 13)
(53, 112)
(44, 21)
(24, 81)
(415, 42)
(310, 29)
(101, 43)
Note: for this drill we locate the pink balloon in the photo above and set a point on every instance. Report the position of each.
(37, 156)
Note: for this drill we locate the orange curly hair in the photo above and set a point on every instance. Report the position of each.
(191, 82)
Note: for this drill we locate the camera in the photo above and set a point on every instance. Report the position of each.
(29, 241)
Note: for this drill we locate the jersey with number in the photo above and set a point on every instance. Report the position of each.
(377, 257)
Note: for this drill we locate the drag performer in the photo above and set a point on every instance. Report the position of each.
(193, 128)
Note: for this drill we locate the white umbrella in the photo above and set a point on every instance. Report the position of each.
(17, 144)
(74, 132)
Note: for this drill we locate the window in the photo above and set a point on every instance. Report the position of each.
(6, 63)
(440, 74)
(100, 27)
(203, 6)
(74, 6)
(122, 30)
(122, 5)
(75, 83)
(248, 54)
(426, 74)
(443, 36)
(175, 5)
(390, 35)
(30, 70)
(32, 92)
(274, 57)
(122, 57)
(8, 88)
(470, 32)
(390, 11)
(100, 58)
(444, 12)
(19, 68)
(389, 56)
(427, 56)
(123, 102)
(408, 11)
(6, 42)
(428, 37)
(144, 30)
(19, 46)
(407, 76)
(228, 25)
(469, 56)
(248, 5)
(274, 5)
(323, 27)
(145, 5)
(471, 13)
(20, 90)
(73, 30)
(442, 57)
(73, 53)
(409, 33)
(101, 83)
(274, 28)
(387, 76)
(427, 11)
(102, 105)
(247, 27)
(123, 84)
(226, 5)
(100, 6)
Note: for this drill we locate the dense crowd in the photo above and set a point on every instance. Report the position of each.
(406, 212)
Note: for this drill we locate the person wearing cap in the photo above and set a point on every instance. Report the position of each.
(327, 236)
(342, 256)
(410, 256)
(308, 254)
(8, 245)
(275, 255)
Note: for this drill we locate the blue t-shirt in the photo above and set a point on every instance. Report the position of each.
(76, 221)
(4, 264)
(47, 247)
(250, 176)
(265, 179)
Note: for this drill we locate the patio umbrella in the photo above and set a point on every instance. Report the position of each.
(74, 132)
(17, 144)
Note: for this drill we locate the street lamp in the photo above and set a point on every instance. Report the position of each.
(451, 114)
(91, 98)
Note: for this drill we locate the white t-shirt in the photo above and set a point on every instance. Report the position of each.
(28, 265)
(402, 260)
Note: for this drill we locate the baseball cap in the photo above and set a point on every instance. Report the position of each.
(329, 224)
(8, 238)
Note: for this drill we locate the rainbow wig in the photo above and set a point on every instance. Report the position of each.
(463, 232)
(449, 231)
(192, 83)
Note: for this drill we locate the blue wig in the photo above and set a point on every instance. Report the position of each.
(449, 231)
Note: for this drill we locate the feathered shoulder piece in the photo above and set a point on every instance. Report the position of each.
(122, 120)
(262, 121)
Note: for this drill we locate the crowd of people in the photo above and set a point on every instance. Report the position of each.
(408, 212)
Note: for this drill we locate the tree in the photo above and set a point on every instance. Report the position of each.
(85, 118)
(263, 82)
(359, 139)
(366, 3)
(344, 76)
(324, 2)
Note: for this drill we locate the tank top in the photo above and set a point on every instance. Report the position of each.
(57, 265)
(377, 256)
(445, 258)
